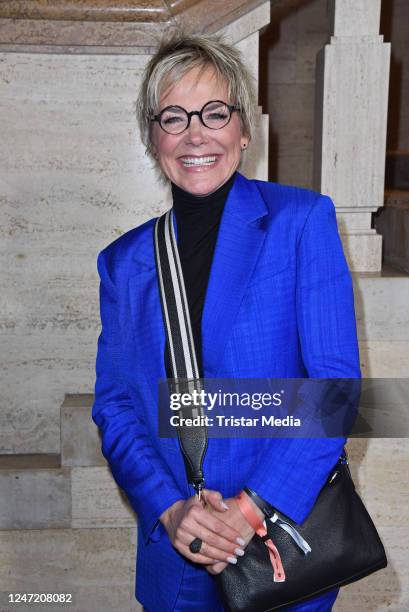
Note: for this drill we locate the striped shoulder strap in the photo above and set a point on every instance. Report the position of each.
(175, 310)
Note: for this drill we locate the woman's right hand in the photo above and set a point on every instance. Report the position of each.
(188, 519)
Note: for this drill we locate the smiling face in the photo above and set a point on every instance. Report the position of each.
(199, 160)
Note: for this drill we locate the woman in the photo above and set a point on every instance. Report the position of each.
(270, 295)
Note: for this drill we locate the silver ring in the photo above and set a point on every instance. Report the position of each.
(195, 545)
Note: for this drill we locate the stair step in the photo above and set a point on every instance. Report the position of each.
(97, 501)
(35, 498)
(80, 439)
(40, 498)
(97, 567)
(30, 462)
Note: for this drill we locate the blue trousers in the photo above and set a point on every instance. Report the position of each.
(198, 593)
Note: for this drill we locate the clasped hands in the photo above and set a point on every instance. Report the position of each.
(219, 523)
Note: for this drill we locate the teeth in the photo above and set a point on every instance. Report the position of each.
(199, 161)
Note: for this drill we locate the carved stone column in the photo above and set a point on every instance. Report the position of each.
(351, 115)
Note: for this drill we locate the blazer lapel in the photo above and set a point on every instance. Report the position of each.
(149, 333)
(239, 242)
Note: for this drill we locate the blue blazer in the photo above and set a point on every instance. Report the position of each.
(279, 303)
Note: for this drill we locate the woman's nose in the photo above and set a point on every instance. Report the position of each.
(196, 132)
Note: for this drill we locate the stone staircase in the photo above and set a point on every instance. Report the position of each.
(65, 527)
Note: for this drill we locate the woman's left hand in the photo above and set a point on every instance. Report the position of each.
(233, 517)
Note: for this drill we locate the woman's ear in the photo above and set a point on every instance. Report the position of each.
(244, 138)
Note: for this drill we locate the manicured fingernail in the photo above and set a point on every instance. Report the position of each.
(240, 541)
(223, 505)
(232, 560)
(239, 552)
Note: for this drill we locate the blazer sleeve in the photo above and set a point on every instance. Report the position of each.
(135, 464)
(291, 472)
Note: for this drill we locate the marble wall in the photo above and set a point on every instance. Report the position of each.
(71, 167)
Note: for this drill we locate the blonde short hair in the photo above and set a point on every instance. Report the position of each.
(179, 54)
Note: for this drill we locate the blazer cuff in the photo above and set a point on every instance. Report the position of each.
(151, 527)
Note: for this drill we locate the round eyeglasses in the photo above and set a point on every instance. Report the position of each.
(215, 115)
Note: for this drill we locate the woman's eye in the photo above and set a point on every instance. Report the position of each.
(173, 119)
(216, 116)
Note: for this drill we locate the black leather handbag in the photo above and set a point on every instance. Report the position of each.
(337, 544)
(345, 547)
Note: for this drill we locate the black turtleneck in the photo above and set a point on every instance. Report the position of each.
(198, 220)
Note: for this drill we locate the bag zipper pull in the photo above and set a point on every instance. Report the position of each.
(297, 537)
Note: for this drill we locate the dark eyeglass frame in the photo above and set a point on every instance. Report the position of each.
(158, 117)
